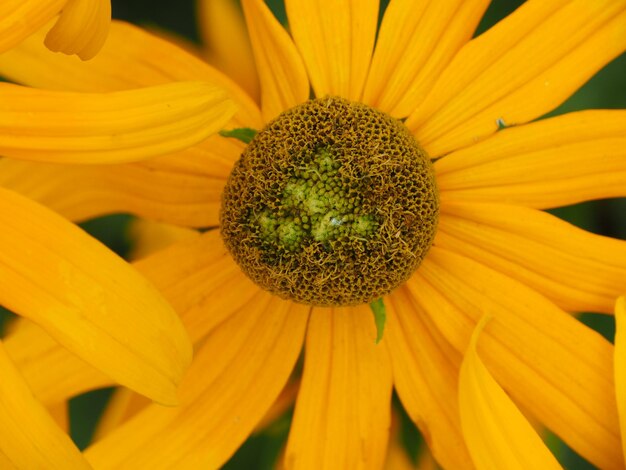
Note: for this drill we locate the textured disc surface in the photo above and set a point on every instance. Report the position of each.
(333, 203)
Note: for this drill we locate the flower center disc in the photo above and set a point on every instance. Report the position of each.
(333, 203)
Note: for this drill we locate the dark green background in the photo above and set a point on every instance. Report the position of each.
(606, 90)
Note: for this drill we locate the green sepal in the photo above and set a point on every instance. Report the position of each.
(380, 316)
(245, 134)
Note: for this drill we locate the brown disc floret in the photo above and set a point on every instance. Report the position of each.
(333, 203)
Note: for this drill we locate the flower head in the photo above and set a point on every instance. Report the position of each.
(332, 203)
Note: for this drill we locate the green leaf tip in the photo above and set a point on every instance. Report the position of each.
(380, 316)
(245, 134)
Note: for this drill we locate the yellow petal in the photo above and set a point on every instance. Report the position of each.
(343, 410)
(553, 366)
(131, 58)
(497, 433)
(21, 18)
(81, 29)
(89, 300)
(425, 370)
(223, 30)
(577, 270)
(5, 462)
(284, 82)
(620, 366)
(123, 405)
(183, 188)
(199, 278)
(336, 41)
(81, 192)
(416, 41)
(196, 276)
(148, 237)
(284, 402)
(398, 457)
(60, 413)
(195, 287)
(522, 68)
(554, 162)
(29, 437)
(53, 373)
(236, 375)
(67, 127)
(213, 157)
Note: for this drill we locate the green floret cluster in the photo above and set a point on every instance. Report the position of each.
(316, 205)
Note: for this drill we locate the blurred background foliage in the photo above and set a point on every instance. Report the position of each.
(606, 90)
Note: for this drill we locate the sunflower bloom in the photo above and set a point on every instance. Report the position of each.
(465, 104)
(81, 28)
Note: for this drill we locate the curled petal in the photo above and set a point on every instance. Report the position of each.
(131, 58)
(21, 18)
(29, 437)
(556, 368)
(68, 127)
(496, 432)
(425, 375)
(89, 300)
(81, 29)
(237, 373)
(53, 373)
(198, 279)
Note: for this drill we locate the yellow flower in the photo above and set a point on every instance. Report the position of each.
(81, 28)
(494, 251)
